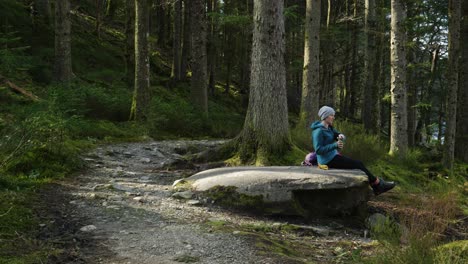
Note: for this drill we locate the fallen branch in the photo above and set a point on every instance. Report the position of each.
(6, 212)
(18, 89)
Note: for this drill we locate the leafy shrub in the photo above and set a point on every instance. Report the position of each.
(39, 147)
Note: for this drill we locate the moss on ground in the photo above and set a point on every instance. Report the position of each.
(19, 227)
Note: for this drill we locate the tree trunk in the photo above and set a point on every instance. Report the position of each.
(141, 96)
(371, 89)
(426, 97)
(265, 131)
(111, 7)
(130, 41)
(461, 149)
(161, 23)
(311, 69)
(411, 81)
(43, 9)
(399, 121)
(42, 35)
(186, 43)
(246, 51)
(348, 67)
(199, 59)
(354, 82)
(378, 70)
(177, 45)
(99, 9)
(452, 77)
(229, 50)
(212, 7)
(63, 61)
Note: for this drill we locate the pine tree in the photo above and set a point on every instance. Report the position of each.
(311, 69)
(266, 131)
(398, 122)
(452, 76)
(63, 60)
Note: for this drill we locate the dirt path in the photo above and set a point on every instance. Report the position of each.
(120, 210)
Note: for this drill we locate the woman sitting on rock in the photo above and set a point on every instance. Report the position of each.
(327, 141)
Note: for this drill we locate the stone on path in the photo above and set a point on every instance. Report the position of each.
(88, 228)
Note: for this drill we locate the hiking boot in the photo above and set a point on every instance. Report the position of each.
(382, 187)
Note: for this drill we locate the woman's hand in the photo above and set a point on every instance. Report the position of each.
(340, 144)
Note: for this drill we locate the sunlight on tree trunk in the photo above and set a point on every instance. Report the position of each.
(399, 121)
(141, 95)
(311, 68)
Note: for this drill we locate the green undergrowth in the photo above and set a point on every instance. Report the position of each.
(429, 201)
(18, 223)
(173, 115)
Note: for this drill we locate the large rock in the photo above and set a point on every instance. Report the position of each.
(306, 191)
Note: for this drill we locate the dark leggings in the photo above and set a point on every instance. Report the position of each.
(342, 162)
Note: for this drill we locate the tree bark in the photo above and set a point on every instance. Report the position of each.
(199, 58)
(311, 69)
(452, 76)
(177, 45)
(186, 43)
(63, 60)
(99, 9)
(266, 131)
(161, 23)
(411, 80)
(399, 121)
(370, 114)
(212, 7)
(461, 149)
(130, 41)
(354, 82)
(426, 97)
(141, 96)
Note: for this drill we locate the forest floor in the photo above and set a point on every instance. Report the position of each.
(120, 209)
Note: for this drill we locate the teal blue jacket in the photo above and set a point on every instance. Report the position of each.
(324, 141)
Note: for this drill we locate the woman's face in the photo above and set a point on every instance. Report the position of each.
(329, 120)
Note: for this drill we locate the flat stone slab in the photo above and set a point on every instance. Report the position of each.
(276, 184)
(309, 188)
